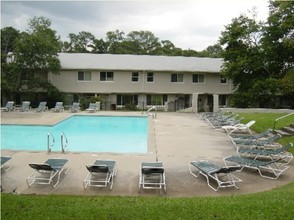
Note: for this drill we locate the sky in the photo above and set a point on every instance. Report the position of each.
(188, 24)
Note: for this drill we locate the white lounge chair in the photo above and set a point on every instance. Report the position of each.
(58, 107)
(101, 174)
(42, 107)
(75, 107)
(92, 107)
(25, 107)
(152, 176)
(221, 175)
(44, 173)
(239, 128)
(8, 107)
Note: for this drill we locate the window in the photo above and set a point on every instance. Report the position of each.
(156, 99)
(127, 99)
(135, 77)
(223, 80)
(150, 77)
(84, 76)
(177, 77)
(198, 78)
(106, 76)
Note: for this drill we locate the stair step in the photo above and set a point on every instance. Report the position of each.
(288, 130)
(283, 133)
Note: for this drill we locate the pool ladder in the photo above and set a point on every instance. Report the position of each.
(51, 142)
(63, 143)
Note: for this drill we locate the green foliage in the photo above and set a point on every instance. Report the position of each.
(275, 204)
(258, 55)
(34, 56)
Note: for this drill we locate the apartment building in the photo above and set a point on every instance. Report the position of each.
(169, 83)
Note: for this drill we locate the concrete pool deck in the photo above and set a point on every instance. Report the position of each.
(174, 138)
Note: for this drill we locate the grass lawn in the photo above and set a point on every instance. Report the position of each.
(275, 204)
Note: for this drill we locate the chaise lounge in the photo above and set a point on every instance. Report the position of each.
(221, 175)
(8, 107)
(92, 107)
(44, 173)
(5, 163)
(25, 107)
(152, 176)
(42, 107)
(281, 154)
(270, 169)
(58, 107)
(101, 174)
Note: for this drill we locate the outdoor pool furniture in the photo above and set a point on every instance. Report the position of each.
(101, 174)
(221, 175)
(75, 107)
(42, 107)
(263, 144)
(44, 173)
(152, 176)
(9, 106)
(5, 163)
(240, 128)
(281, 153)
(270, 169)
(92, 107)
(25, 107)
(251, 137)
(58, 107)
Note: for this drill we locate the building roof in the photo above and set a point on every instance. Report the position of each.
(89, 61)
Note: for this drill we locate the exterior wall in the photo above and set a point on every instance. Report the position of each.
(68, 82)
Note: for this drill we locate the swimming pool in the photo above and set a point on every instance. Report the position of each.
(115, 134)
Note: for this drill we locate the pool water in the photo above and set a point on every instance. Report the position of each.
(83, 133)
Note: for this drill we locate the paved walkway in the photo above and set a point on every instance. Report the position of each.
(174, 138)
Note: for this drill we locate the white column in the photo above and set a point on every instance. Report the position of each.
(195, 102)
(215, 103)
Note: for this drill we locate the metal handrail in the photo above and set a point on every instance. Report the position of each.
(63, 146)
(49, 146)
(153, 115)
(284, 116)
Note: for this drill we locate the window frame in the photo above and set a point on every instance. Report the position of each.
(84, 72)
(109, 76)
(221, 80)
(150, 75)
(198, 79)
(135, 77)
(176, 77)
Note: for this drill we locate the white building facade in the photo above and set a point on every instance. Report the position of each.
(169, 83)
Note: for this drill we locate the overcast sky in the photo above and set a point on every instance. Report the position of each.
(188, 24)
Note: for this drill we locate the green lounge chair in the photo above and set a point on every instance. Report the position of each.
(251, 137)
(8, 107)
(268, 169)
(152, 176)
(221, 175)
(280, 153)
(101, 174)
(270, 142)
(45, 172)
(5, 163)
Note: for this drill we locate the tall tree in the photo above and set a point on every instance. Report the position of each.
(34, 56)
(84, 42)
(257, 55)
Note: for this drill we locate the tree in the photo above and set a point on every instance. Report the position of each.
(257, 55)
(84, 42)
(34, 56)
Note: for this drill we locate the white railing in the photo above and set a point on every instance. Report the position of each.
(63, 142)
(150, 114)
(49, 143)
(284, 116)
